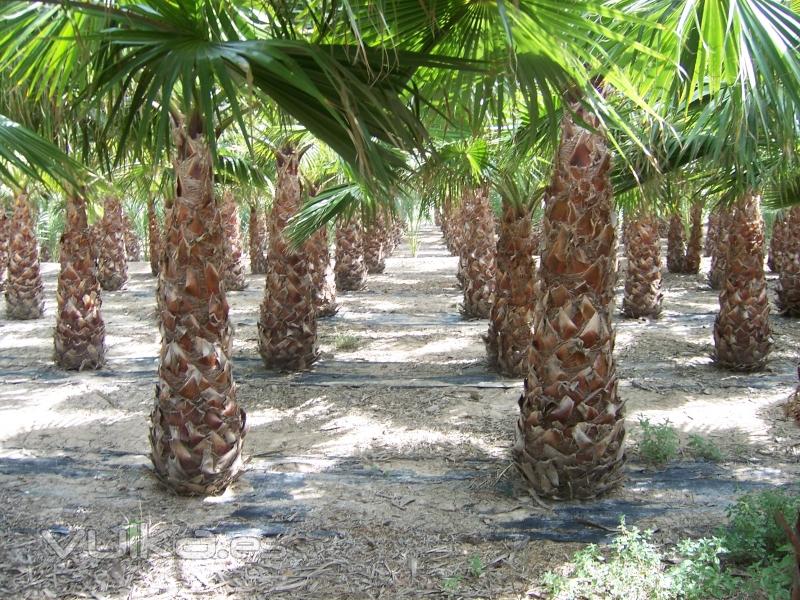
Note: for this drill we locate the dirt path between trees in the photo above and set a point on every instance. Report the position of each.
(382, 473)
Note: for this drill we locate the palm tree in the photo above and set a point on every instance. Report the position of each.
(509, 337)
(287, 328)
(643, 295)
(741, 329)
(24, 288)
(570, 433)
(4, 235)
(233, 268)
(153, 236)
(789, 266)
(258, 258)
(694, 245)
(80, 330)
(112, 264)
(676, 244)
(350, 268)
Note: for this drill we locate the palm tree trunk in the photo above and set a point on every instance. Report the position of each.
(258, 261)
(478, 253)
(694, 247)
(154, 236)
(571, 430)
(789, 274)
(4, 235)
(509, 338)
(287, 327)
(741, 330)
(376, 244)
(112, 266)
(133, 249)
(643, 295)
(719, 249)
(711, 233)
(197, 428)
(324, 291)
(676, 244)
(24, 288)
(233, 268)
(350, 270)
(777, 243)
(80, 330)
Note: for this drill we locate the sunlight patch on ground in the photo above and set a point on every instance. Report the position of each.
(360, 432)
(28, 410)
(737, 412)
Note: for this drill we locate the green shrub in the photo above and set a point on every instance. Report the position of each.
(659, 443)
(753, 535)
(700, 447)
(346, 343)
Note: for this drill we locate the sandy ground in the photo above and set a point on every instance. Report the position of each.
(384, 472)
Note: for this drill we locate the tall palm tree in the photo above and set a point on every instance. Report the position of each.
(509, 337)
(287, 327)
(789, 266)
(643, 295)
(741, 329)
(24, 289)
(4, 235)
(570, 433)
(153, 236)
(233, 268)
(112, 263)
(80, 330)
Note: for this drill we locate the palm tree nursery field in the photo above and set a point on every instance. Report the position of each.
(385, 471)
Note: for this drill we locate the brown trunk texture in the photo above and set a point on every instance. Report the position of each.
(258, 258)
(350, 270)
(197, 427)
(324, 291)
(233, 266)
(133, 249)
(571, 429)
(5, 223)
(80, 330)
(694, 247)
(24, 288)
(777, 243)
(719, 249)
(112, 267)
(711, 233)
(676, 245)
(287, 327)
(509, 338)
(741, 329)
(643, 295)
(377, 244)
(478, 254)
(154, 236)
(789, 275)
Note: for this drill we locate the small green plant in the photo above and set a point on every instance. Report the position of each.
(451, 584)
(699, 573)
(475, 565)
(632, 571)
(703, 448)
(753, 535)
(346, 343)
(659, 443)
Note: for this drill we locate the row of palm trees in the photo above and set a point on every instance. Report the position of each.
(712, 87)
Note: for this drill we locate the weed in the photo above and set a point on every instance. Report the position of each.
(700, 447)
(753, 535)
(475, 566)
(346, 343)
(659, 443)
(451, 584)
